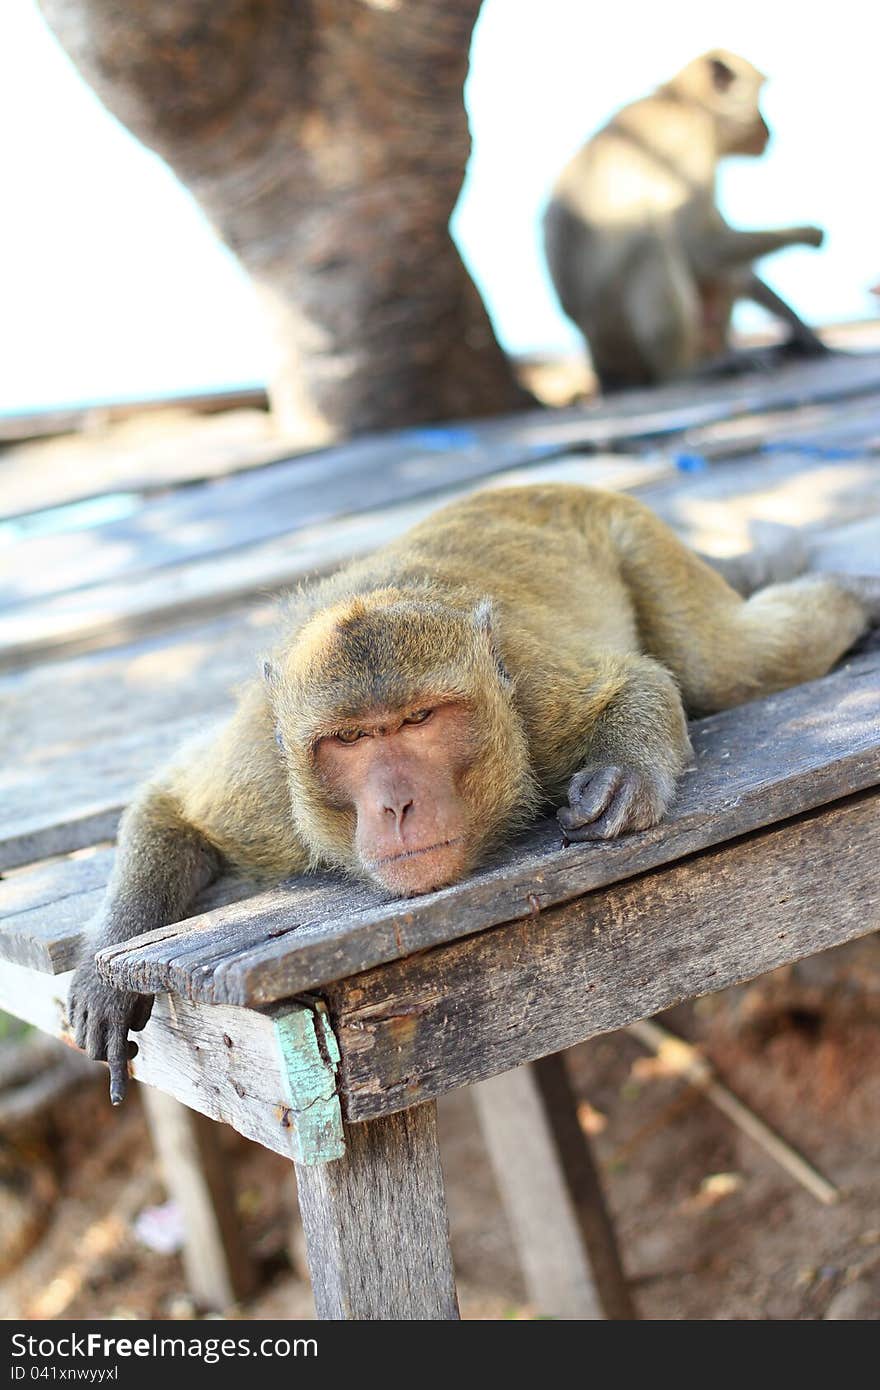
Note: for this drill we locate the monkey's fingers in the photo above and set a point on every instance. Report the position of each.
(630, 808)
(95, 1033)
(77, 1020)
(140, 1015)
(589, 793)
(118, 1054)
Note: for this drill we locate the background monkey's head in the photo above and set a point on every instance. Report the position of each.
(728, 88)
(404, 751)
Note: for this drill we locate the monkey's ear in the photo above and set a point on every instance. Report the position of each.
(269, 672)
(483, 619)
(723, 76)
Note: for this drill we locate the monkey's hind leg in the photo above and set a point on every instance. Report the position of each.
(801, 339)
(723, 649)
(652, 324)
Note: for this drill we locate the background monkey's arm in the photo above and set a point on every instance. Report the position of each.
(162, 863)
(724, 248)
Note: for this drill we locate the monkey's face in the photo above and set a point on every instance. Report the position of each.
(406, 757)
(729, 87)
(752, 139)
(402, 772)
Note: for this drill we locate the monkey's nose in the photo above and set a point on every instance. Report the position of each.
(398, 811)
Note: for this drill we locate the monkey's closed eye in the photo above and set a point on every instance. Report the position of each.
(418, 716)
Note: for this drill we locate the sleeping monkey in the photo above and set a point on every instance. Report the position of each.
(525, 647)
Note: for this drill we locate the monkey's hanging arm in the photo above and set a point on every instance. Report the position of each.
(726, 247)
(162, 863)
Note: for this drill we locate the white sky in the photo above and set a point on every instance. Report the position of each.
(111, 284)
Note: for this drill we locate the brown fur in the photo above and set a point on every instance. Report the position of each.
(570, 623)
(640, 256)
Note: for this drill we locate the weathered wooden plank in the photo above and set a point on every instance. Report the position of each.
(41, 424)
(88, 730)
(675, 408)
(796, 427)
(248, 508)
(552, 1194)
(310, 1058)
(151, 444)
(44, 911)
(376, 1226)
(84, 805)
(297, 493)
(772, 758)
(42, 886)
(53, 709)
(218, 1269)
(714, 511)
(462, 1012)
(223, 1062)
(584, 1182)
(119, 611)
(729, 499)
(129, 605)
(105, 471)
(852, 549)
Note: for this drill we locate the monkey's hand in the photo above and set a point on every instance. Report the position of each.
(608, 800)
(100, 1018)
(813, 236)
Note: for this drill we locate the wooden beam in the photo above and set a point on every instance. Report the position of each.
(127, 606)
(222, 561)
(224, 1062)
(584, 1182)
(755, 765)
(310, 1061)
(97, 725)
(552, 1194)
(45, 910)
(38, 424)
(250, 508)
(219, 1271)
(376, 1225)
(454, 1015)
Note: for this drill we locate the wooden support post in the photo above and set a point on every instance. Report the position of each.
(550, 1187)
(376, 1226)
(219, 1272)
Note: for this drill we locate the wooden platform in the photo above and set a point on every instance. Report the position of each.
(307, 1014)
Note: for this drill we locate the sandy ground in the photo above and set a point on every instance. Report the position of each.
(710, 1227)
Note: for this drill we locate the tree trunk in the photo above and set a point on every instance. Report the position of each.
(326, 141)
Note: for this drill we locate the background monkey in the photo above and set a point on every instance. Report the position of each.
(641, 258)
(425, 702)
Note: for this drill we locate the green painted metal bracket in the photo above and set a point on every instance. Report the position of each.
(310, 1059)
